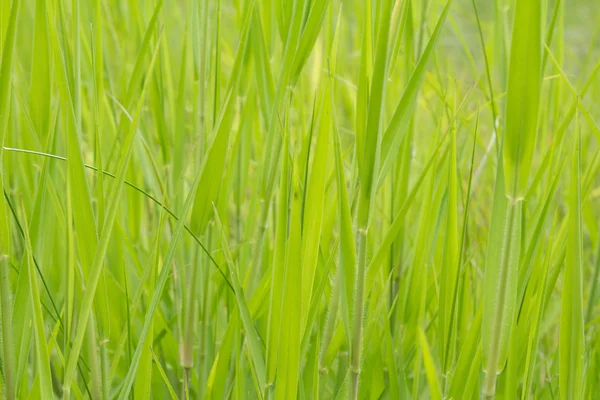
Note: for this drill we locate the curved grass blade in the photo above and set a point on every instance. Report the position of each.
(150, 197)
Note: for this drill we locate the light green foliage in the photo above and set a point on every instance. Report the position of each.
(310, 199)
(572, 334)
(522, 96)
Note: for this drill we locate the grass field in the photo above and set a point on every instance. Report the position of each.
(314, 199)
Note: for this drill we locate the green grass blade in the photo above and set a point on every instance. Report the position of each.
(572, 341)
(278, 270)
(163, 375)
(8, 355)
(368, 188)
(522, 103)
(347, 262)
(523, 96)
(288, 362)
(40, 75)
(313, 214)
(41, 345)
(500, 294)
(451, 263)
(430, 370)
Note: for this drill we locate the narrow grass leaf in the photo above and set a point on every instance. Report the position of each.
(572, 340)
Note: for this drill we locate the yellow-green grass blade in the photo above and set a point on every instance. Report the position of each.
(71, 267)
(522, 103)
(217, 378)
(374, 118)
(468, 364)
(98, 64)
(82, 214)
(362, 95)
(325, 267)
(429, 365)
(22, 304)
(40, 95)
(41, 345)
(368, 188)
(500, 284)
(92, 355)
(487, 72)
(592, 296)
(264, 75)
(451, 262)
(278, 269)
(99, 324)
(310, 31)
(163, 375)
(288, 361)
(180, 137)
(347, 260)
(8, 356)
(344, 275)
(522, 96)
(313, 207)
(283, 12)
(137, 74)
(328, 332)
(572, 340)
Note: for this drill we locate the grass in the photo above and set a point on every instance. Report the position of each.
(392, 199)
